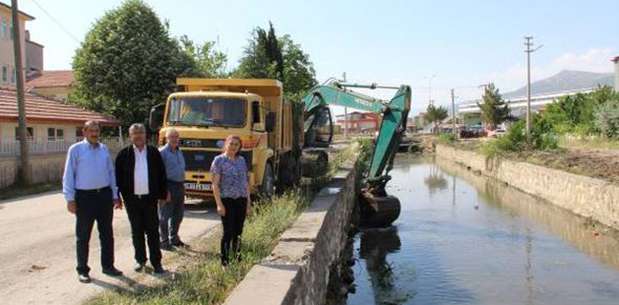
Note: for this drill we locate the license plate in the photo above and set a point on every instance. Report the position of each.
(198, 186)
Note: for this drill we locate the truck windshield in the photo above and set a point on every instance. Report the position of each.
(211, 111)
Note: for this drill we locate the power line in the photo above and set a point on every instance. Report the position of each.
(54, 20)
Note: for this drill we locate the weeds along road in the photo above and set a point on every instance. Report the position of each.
(37, 252)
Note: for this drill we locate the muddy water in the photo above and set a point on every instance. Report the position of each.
(464, 240)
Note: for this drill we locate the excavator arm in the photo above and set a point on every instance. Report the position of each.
(394, 113)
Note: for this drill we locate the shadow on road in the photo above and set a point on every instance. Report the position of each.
(127, 285)
(201, 211)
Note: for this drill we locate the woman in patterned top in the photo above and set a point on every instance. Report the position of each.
(231, 192)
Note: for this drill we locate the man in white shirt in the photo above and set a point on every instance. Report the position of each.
(141, 178)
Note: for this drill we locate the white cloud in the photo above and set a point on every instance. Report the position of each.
(593, 60)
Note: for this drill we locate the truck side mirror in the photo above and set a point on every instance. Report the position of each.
(155, 118)
(270, 122)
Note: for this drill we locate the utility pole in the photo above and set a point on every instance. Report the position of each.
(528, 43)
(453, 113)
(24, 173)
(430, 101)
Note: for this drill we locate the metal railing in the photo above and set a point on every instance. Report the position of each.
(11, 148)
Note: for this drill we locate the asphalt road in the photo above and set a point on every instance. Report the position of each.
(37, 251)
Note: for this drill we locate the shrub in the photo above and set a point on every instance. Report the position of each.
(446, 138)
(577, 114)
(543, 134)
(607, 119)
(515, 140)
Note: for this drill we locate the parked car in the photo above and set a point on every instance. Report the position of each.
(497, 133)
(474, 131)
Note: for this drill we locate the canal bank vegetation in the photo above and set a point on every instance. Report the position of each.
(199, 277)
(577, 134)
(587, 118)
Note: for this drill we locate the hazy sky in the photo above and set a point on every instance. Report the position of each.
(462, 43)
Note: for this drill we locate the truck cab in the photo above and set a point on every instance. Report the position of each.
(206, 111)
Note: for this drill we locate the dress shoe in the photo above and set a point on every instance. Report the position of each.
(166, 247)
(180, 244)
(84, 278)
(138, 267)
(159, 270)
(112, 271)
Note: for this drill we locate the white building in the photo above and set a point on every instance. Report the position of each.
(616, 61)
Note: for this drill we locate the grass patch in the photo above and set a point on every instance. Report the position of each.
(446, 138)
(589, 142)
(202, 280)
(20, 191)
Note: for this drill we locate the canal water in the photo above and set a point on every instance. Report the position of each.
(462, 239)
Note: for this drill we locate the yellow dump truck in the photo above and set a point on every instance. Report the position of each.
(206, 111)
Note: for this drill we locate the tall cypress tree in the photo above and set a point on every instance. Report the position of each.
(274, 52)
(269, 56)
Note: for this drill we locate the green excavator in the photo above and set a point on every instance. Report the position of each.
(378, 209)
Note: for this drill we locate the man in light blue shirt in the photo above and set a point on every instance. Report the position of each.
(89, 187)
(172, 209)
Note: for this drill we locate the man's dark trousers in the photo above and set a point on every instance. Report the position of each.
(94, 205)
(171, 213)
(142, 211)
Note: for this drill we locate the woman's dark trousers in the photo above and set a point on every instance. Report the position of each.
(236, 210)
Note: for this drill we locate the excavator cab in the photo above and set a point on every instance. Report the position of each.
(318, 128)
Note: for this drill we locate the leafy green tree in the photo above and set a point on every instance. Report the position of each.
(127, 63)
(204, 60)
(494, 110)
(435, 115)
(269, 56)
(299, 74)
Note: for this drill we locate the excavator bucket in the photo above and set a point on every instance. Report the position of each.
(378, 211)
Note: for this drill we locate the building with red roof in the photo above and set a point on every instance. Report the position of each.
(48, 120)
(359, 122)
(55, 84)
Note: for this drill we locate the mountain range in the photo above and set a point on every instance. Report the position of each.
(566, 80)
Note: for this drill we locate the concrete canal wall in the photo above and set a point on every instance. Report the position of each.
(297, 271)
(585, 196)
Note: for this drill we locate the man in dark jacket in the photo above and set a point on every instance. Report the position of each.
(141, 179)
